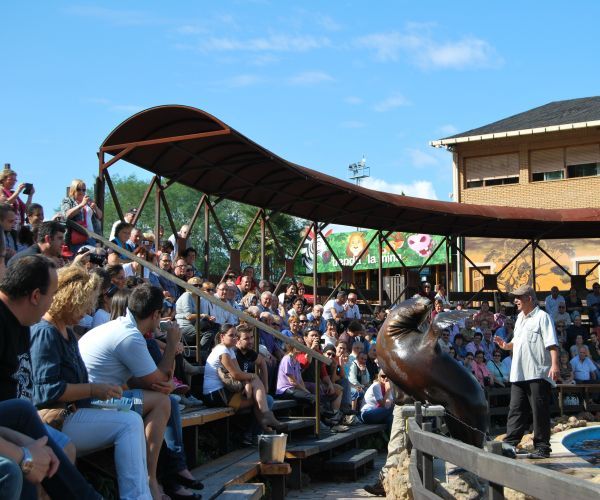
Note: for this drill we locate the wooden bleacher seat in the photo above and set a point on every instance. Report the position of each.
(244, 491)
(353, 461)
(204, 415)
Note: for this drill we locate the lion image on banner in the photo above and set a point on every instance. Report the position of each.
(356, 244)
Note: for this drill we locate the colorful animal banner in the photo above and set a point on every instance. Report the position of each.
(413, 249)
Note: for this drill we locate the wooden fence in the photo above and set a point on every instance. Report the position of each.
(488, 464)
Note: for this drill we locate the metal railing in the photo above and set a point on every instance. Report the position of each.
(490, 465)
(200, 294)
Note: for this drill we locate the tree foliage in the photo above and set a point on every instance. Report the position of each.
(234, 217)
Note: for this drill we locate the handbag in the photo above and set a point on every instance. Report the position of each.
(55, 417)
(231, 384)
(78, 238)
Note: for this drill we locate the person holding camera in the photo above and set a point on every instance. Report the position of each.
(78, 207)
(8, 179)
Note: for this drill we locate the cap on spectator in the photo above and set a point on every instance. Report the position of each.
(65, 252)
(523, 290)
(132, 211)
(89, 248)
(329, 347)
(195, 281)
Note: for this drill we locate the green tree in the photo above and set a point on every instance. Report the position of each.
(234, 217)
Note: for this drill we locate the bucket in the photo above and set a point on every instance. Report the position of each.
(271, 448)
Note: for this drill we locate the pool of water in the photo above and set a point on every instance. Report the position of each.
(585, 443)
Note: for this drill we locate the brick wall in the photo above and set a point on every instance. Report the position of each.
(583, 192)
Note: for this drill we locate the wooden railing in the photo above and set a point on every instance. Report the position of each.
(488, 464)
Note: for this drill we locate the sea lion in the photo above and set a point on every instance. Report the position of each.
(413, 360)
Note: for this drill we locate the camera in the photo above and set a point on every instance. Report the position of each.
(146, 243)
(97, 259)
(164, 326)
(28, 187)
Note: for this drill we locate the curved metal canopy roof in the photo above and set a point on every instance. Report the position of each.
(196, 149)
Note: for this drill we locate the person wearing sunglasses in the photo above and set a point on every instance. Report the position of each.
(378, 404)
(80, 208)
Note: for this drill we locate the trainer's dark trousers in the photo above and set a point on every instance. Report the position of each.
(529, 401)
(67, 483)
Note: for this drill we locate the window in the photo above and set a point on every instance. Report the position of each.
(547, 164)
(587, 170)
(494, 170)
(548, 176)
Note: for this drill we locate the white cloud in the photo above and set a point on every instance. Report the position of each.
(245, 80)
(420, 189)
(353, 124)
(392, 102)
(448, 129)
(353, 100)
(310, 78)
(272, 43)
(423, 49)
(421, 159)
(327, 23)
(466, 52)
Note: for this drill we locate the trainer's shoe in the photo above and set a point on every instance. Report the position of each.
(538, 454)
(375, 488)
(509, 451)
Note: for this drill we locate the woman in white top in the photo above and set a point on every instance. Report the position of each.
(254, 394)
(102, 314)
(378, 404)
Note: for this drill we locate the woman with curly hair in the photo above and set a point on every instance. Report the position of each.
(60, 381)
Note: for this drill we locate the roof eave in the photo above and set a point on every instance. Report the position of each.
(512, 133)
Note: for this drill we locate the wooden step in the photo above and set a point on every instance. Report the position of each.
(305, 448)
(236, 467)
(204, 415)
(283, 404)
(351, 459)
(297, 423)
(245, 491)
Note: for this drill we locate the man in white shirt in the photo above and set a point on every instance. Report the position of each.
(552, 302)
(221, 315)
(584, 369)
(116, 353)
(533, 373)
(352, 311)
(334, 308)
(179, 241)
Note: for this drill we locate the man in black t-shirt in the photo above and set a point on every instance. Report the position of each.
(248, 358)
(26, 292)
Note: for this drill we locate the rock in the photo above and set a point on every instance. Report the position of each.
(464, 485)
(572, 420)
(396, 482)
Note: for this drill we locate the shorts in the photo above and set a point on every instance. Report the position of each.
(221, 398)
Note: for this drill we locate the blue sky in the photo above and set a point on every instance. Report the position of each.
(319, 83)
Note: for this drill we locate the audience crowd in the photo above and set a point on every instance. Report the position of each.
(102, 349)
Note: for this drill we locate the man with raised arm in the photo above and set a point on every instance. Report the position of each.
(533, 373)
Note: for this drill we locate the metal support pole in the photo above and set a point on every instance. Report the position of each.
(100, 189)
(427, 464)
(315, 277)
(533, 277)
(197, 329)
(206, 240)
(447, 265)
(263, 247)
(317, 399)
(380, 269)
(157, 216)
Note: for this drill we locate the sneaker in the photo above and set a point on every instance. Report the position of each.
(180, 387)
(375, 489)
(538, 454)
(509, 451)
(191, 401)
